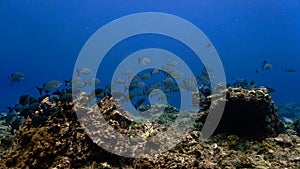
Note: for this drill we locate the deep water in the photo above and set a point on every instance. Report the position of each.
(42, 39)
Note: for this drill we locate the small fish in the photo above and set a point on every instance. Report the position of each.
(290, 70)
(139, 103)
(84, 71)
(127, 72)
(209, 69)
(49, 86)
(267, 66)
(117, 94)
(93, 81)
(143, 61)
(119, 81)
(141, 84)
(172, 63)
(146, 76)
(168, 81)
(16, 77)
(177, 74)
(76, 82)
(155, 71)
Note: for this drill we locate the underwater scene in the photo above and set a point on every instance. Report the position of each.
(150, 84)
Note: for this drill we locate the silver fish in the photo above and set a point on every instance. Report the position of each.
(49, 86)
(143, 61)
(267, 66)
(77, 82)
(172, 63)
(177, 74)
(127, 72)
(93, 81)
(84, 71)
(16, 77)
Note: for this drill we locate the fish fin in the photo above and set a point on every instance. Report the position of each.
(78, 72)
(40, 90)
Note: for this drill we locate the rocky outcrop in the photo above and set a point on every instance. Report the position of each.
(248, 113)
(297, 126)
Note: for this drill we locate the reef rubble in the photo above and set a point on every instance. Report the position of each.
(56, 135)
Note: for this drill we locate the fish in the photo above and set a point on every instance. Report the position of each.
(209, 69)
(139, 103)
(263, 64)
(290, 70)
(172, 63)
(117, 94)
(166, 68)
(141, 84)
(76, 82)
(16, 77)
(177, 75)
(126, 72)
(143, 61)
(266, 66)
(119, 81)
(84, 71)
(49, 86)
(168, 81)
(189, 84)
(146, 76)
(93, 81)
(155, 71)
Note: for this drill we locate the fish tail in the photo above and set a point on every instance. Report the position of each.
(40, 90)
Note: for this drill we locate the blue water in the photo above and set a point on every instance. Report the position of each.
(42, 39)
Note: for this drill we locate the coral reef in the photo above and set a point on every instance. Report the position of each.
(57, 141)
(297, 126)
(289, 110)
(62, 133)
(247, 113)
(279, 152)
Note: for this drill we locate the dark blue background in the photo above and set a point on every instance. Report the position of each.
(43, 38)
